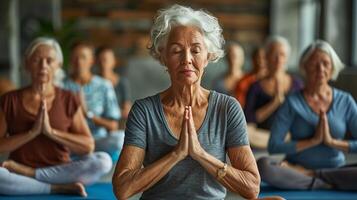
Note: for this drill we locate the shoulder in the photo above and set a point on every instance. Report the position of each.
(147, 104)
(11, 94)
(294, 96)
(97, 80)
(65, 94)
(10, 97)
(223, 101)
(342, 97)
(295, 103)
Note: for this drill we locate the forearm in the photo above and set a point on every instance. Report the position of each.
(78, 144)
(111, 125)
(11, 143)
(245, 183)
(129, 182)
(307, 143)
(340, 144)
(263, 113)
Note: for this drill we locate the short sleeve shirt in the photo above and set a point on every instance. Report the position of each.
(223, 127)
(100, 99)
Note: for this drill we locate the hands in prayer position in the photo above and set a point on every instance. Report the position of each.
(322, 134)
(188, 144)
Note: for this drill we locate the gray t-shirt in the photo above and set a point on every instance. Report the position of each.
(224, 126)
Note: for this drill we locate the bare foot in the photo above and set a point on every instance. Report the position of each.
(18, 168)
(72, 188)
(298, 168)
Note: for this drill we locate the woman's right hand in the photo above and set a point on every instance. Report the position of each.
(181, 149)
(279, 91)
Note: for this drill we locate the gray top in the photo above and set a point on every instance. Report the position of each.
(224, 126)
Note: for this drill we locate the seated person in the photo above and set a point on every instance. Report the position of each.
(259, 70)
(181, 135)
(318, 118)
(40, 125)
(100, 105)
(235, 58)
(107, 63)
(266, 95)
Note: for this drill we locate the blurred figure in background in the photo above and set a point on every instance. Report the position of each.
(318, 117)
(235, 58)
(266, 95)
(259, 71)
(40, 126)
(99, 102)
(146, 76)
(107, 63)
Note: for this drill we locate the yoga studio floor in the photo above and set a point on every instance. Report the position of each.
(103, 190)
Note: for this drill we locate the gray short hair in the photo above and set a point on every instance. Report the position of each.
(180, 15)
(324, 46)
(45, 41)
(278, 39)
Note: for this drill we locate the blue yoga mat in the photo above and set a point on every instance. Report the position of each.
(98, 191)
(105, 191)
(266, 190)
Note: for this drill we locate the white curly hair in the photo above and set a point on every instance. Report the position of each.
(177, 15)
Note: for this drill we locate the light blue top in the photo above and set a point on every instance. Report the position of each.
(100, 99)
(296, 116)
(224, 126)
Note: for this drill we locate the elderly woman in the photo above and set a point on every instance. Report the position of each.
(181, 135)
(318, 118)
(97, 94)
(266, 95)
(40, 125)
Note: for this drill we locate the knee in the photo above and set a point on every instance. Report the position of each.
(5, 181)
(4, 175)
(102, 162)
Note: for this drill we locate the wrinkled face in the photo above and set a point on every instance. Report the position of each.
(42, 64)
(82, 60)
(185, 55)
(318, 67)
(276, 57)
(106, 60)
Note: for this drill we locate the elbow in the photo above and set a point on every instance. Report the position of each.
(272, 148)
(89, 147)
(120, 194)
(120, 188)
(251, 187)
(113, 126)
(251, 195)
(252, 192)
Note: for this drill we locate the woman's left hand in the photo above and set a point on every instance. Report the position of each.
(195, 149)
(47, 129)
(327, 138)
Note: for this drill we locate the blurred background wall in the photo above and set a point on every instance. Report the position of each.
(125, 24)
